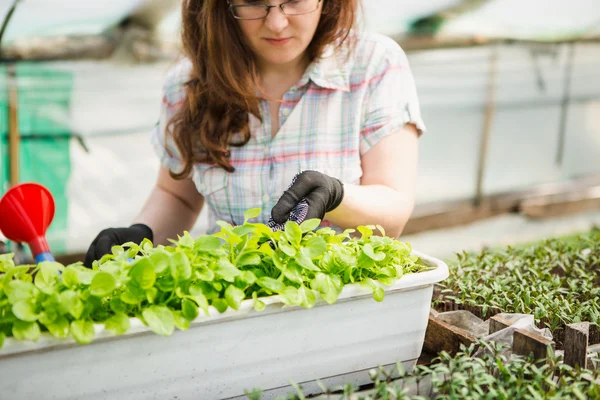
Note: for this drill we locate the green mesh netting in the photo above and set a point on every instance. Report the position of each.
(44, 155)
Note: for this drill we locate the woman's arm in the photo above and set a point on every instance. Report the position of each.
(386, 192)
(172, 207)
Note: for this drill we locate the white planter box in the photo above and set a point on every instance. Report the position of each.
(222, 355)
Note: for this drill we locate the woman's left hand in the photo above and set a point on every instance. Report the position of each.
(321, 192)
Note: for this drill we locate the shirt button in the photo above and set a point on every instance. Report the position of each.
(286, 112)
(203, 187)
(266, 198)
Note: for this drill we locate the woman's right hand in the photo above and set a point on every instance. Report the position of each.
(110, 237)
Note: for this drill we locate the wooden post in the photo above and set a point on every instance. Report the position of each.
(498, 323)
(594, 334)
(13, 126)
(487, 125)
(526, 343)
(576, 344)
(442, 336)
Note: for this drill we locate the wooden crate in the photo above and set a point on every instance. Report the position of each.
(442, 336)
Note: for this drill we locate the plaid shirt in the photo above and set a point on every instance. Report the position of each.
(341, 107)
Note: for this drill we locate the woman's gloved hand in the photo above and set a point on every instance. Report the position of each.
(320, 192)
(110, 237)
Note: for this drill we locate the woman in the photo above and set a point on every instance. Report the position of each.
(268, 90)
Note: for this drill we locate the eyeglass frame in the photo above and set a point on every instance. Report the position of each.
(267, 7)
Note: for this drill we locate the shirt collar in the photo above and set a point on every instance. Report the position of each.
(329, 71)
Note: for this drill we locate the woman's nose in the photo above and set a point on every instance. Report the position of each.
(276, 20)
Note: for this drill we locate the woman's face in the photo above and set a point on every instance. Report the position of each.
(281, 39)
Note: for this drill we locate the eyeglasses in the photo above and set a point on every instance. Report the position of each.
(253, 9)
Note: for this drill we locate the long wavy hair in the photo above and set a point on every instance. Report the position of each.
(221, 90)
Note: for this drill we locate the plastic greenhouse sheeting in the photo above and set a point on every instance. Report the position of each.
(495, 18)
(44, 155)
(536, 20)
(56, 17)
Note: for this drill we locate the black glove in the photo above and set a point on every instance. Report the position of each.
(322, 193)
(116, 236)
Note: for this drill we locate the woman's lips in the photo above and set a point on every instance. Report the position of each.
(278, 42)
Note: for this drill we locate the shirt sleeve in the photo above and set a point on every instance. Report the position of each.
(172, 99)
(391, 100)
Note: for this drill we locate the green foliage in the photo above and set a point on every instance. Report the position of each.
(464, 376)
(167, 287)
(557, 281)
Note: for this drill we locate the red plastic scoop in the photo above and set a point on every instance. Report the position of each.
(26, 211)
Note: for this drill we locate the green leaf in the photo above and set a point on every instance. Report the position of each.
(258, 305)
(225, 226)
(293, 233)
(70, 277)
(48, 316)
(287, 249)
(6, 262)
(22, 330)
(118, 324)
(293, 272)
(303, 259)
(226, 270)
(207, 243)
(204, 273)
(316, 246)
(103, 284)
(329, 286)
(25, 310)
(180, 266)
(266, 248)
(59, 328)
(198, 295)
(86, 275)
(143, 273)
(161, 261)
(271, 284)
(83, 331)
(50, 269)
(160, 320)
(2, 337)
(72, 303)
(48, 278)
(220, 304)
(307, 297)
(128, 297)
(310, 225)
(189, 309)
(247, 278)
(251, 213)
(180, 322)
(248, 259)
(185, 241)
(151, 295)
(365, 232)
(290, 296)
(369, 252)
(242, 231)
(117, 305)
(234, 297)
(378, 294)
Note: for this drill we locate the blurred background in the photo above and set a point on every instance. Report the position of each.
(509, 90)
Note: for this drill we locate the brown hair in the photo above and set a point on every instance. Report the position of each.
(221, 91)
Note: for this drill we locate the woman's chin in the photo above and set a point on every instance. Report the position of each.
(279, 57)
